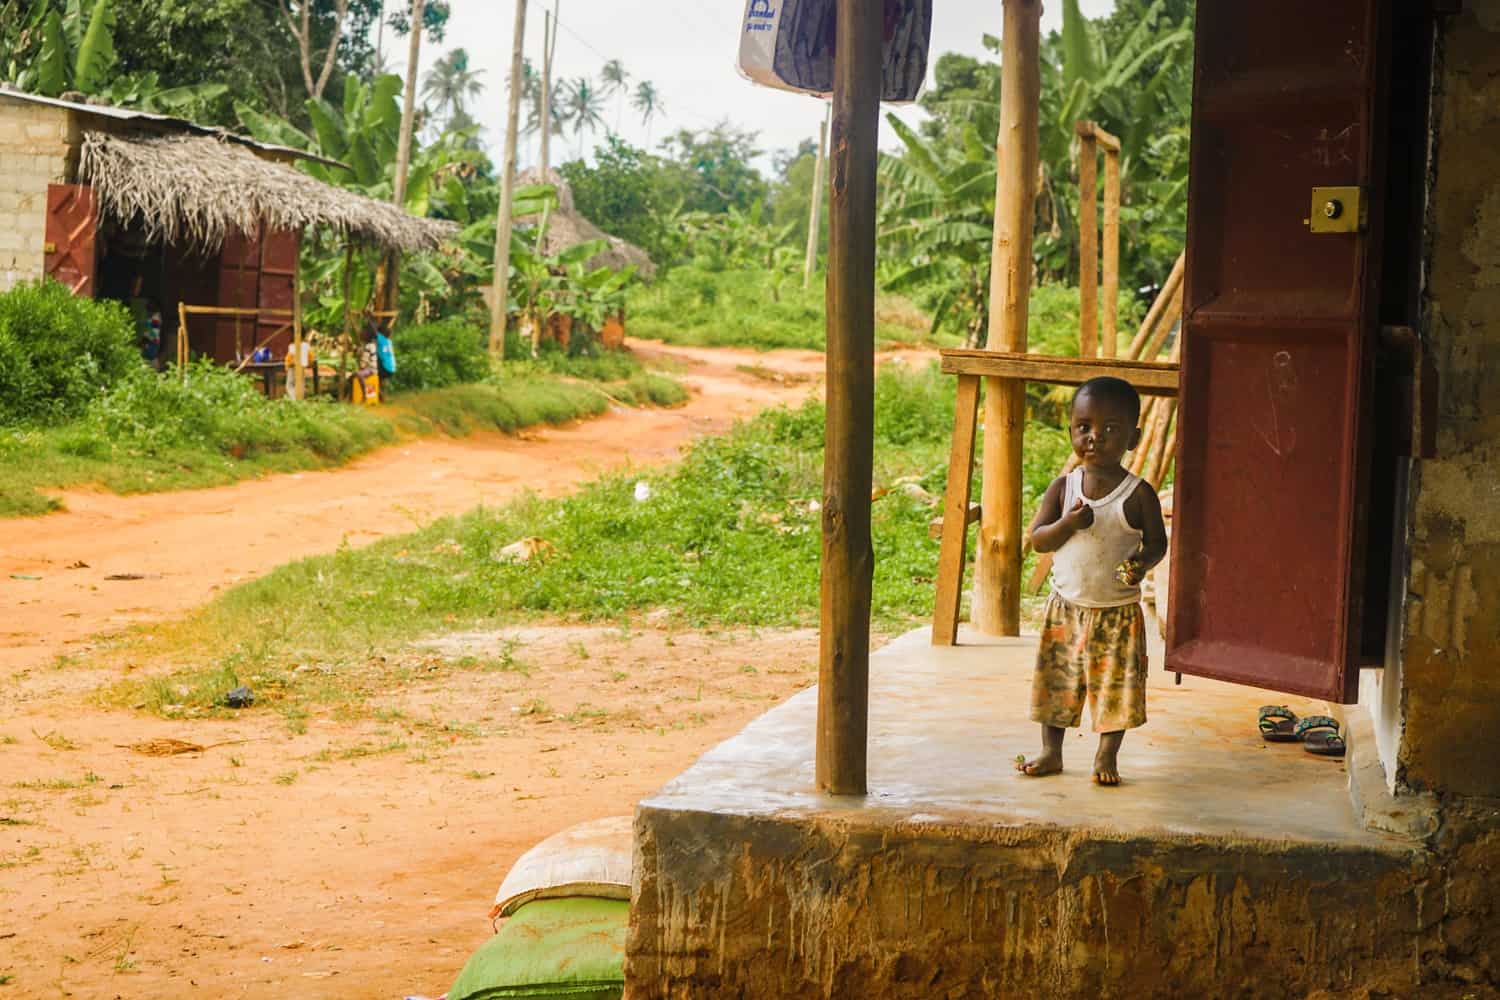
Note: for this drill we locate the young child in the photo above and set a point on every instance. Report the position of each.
(1106, 527)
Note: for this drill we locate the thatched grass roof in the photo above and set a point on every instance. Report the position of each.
(195, 189)
(567, 228)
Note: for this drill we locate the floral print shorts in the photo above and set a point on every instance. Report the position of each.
(1093, 653)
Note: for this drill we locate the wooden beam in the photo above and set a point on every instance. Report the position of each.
(1088, 244)
(997, 573)
(1109, 336)
(1153, 315)
(1150, 378)
(956, 508)
(1106, 140)
(299, 378)
(848, 559)
(935, 526)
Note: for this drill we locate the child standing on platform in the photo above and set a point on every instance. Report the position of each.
(1105, 526)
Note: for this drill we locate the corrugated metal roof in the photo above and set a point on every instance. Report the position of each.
(168, 121)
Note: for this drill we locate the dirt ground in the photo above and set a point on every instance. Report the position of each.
(358, 857)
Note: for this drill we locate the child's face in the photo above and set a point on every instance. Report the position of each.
(1102, 430)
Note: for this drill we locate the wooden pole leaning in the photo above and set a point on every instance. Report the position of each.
(950, 573)
(848, 559)
(997, 572)
(1088, 242)
(182, 341)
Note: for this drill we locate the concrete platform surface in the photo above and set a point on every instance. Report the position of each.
(946, 725)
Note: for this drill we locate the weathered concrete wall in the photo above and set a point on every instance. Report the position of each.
(739, 906)
(33, 153)
(1451, 647)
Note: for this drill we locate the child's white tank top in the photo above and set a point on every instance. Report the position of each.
(1083, 570)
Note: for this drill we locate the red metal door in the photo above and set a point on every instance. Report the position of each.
(239, 288)
(72, 225)
(278, 272)
(1273, 441)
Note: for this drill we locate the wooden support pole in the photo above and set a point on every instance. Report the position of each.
(389, 291)
(501, 281)
(182, 341)
(950, 574)
(997, 573)
(848, 558)
(1088, 243)
(1109, 336)
(299, 377)
(549, 46)
(816, 213)
(1169, 317)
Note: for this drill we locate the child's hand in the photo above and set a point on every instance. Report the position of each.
(1080, 517)
(1130, 572)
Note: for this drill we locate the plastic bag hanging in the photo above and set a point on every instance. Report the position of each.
(789, 45)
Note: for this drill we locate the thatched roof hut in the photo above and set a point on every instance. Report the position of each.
(566, 227)
(197, 189)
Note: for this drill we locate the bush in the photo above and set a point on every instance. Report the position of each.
(215, 410)
(58, 352)
(434, 355)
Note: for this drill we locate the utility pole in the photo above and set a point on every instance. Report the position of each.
(507, 191)
(549, 45)
(403, 142)
(817, 201)
(997, 573)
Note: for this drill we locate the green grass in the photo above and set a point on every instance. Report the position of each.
(757, 309)
(153, 433)
(728, 537)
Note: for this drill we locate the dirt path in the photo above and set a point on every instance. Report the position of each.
(337, 856)
(178, 549)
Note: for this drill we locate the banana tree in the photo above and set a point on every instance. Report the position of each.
(54, 51)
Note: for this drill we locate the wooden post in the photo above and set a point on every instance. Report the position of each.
(299, 378)
(182, 341)
(501, 281)
(950, 574)
(997, 574)
(1088, 243)
(1109, 337)
(1153, 315)
(816, 214)
(848, 559)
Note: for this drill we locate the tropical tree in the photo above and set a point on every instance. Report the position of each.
(648, 102)
(581, 102)
(616, 82)
(451, 83)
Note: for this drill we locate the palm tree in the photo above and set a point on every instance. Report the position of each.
(648, 102)
(616, 81)
(451, 83)
(581, 107)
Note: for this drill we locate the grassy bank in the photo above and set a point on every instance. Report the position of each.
(758, 309)
(151, 434)
(730, 536)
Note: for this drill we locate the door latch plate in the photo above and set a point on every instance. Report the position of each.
(1336, 210)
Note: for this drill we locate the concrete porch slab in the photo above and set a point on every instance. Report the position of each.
(1221, 860)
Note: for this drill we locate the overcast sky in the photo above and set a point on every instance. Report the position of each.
(686, 48)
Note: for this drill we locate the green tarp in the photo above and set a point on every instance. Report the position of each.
(564, 948)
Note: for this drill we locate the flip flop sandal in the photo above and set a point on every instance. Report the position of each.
(1329, 745)
(1320, 735)
(1277, 724)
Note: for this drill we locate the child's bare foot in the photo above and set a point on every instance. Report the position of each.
(1106, 761)
(1049, 761)
(1045, 763)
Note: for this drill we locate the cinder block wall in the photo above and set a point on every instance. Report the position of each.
(33, 153)
(1451, 647)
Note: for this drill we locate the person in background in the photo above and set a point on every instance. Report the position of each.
(367, 377)
(290, 361)
(150, 333)
(385, 359)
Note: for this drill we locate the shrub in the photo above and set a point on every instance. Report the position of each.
(434, 355)
(58, 352)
